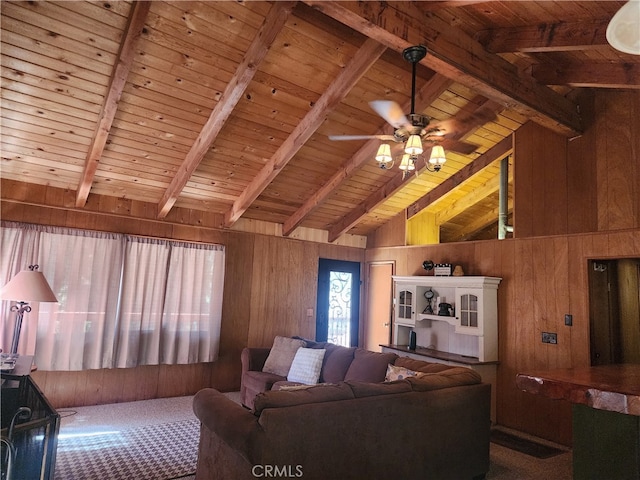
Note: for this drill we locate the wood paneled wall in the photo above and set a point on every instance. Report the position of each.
(540, 182)
(270, 282)
(586, 184)
(542, 279)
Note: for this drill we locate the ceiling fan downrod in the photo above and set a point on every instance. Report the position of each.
(414, 55)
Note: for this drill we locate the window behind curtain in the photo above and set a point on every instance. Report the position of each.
(123, 300)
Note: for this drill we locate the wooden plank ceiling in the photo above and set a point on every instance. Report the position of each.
(227, 106)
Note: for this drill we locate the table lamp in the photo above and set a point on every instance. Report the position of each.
(27, 286)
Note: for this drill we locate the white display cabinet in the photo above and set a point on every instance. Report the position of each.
(470, 325)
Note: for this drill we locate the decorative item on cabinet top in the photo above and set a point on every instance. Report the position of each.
(443, 270)
(428, 265)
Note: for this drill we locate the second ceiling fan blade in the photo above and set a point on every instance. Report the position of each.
(391, 112)
(458, 146)
(456, 126)
(389, 138)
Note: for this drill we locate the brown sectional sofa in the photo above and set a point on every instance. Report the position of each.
(339, 364)
(431, 427)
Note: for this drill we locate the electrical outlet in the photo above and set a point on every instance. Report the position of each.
(548, 337)
(568, 319)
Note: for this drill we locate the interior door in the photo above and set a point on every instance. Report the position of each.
(614, 311)
(338, 302)
(379, 311)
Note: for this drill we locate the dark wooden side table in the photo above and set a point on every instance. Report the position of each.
(606, 416)
(30, 424)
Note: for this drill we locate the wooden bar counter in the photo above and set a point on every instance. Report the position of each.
(606, 416)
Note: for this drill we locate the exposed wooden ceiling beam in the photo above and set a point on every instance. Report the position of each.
(456, 55)
(368, 54)
(546, 37)
(497, 152)
(398, 181)
(273, 23)
(124, 59)
(425, 96)
(434, 5)
(592, 74)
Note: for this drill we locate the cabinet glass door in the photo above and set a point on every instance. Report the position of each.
(469, 310)
(405, 304)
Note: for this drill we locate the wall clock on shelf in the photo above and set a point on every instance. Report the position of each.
(429, 294)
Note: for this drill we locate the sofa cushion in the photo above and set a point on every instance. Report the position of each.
(336, 362)
(398, 373)
(366, 389)
(306, 366)
(281, 355)
(451, 377)
(313, 394)
(256, 381)
(420, 365)
(369, 366)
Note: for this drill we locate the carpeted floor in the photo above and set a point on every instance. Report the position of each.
(172, 423)
(164, 451)
(154, 439)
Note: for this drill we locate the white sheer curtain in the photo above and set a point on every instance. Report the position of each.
(193, 304)
(83, 269)
(123, 300)
(144, 282)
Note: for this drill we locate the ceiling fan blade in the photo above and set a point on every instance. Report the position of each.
(391, 112)
(455, 127)
(458, 146)
(389, 138)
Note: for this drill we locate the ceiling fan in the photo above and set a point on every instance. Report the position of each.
(415, 130)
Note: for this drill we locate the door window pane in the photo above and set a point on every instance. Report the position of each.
(339, 308)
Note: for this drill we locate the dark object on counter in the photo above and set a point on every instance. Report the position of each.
(412, 340)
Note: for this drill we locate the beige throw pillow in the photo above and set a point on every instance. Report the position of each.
(281, 355)
(399, 373)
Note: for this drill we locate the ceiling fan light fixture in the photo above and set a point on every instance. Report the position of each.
(384, 153)
(407, 163)
(437, 157)
(623, 31)
(414, 145)
(383, 156)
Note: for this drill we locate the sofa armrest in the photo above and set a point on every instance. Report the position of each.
(232, 423)
(253, 358)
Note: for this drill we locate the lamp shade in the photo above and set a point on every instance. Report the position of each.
(28, 286)
(414, 145)
(384, 153)
(437, 155)
(407, 163)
